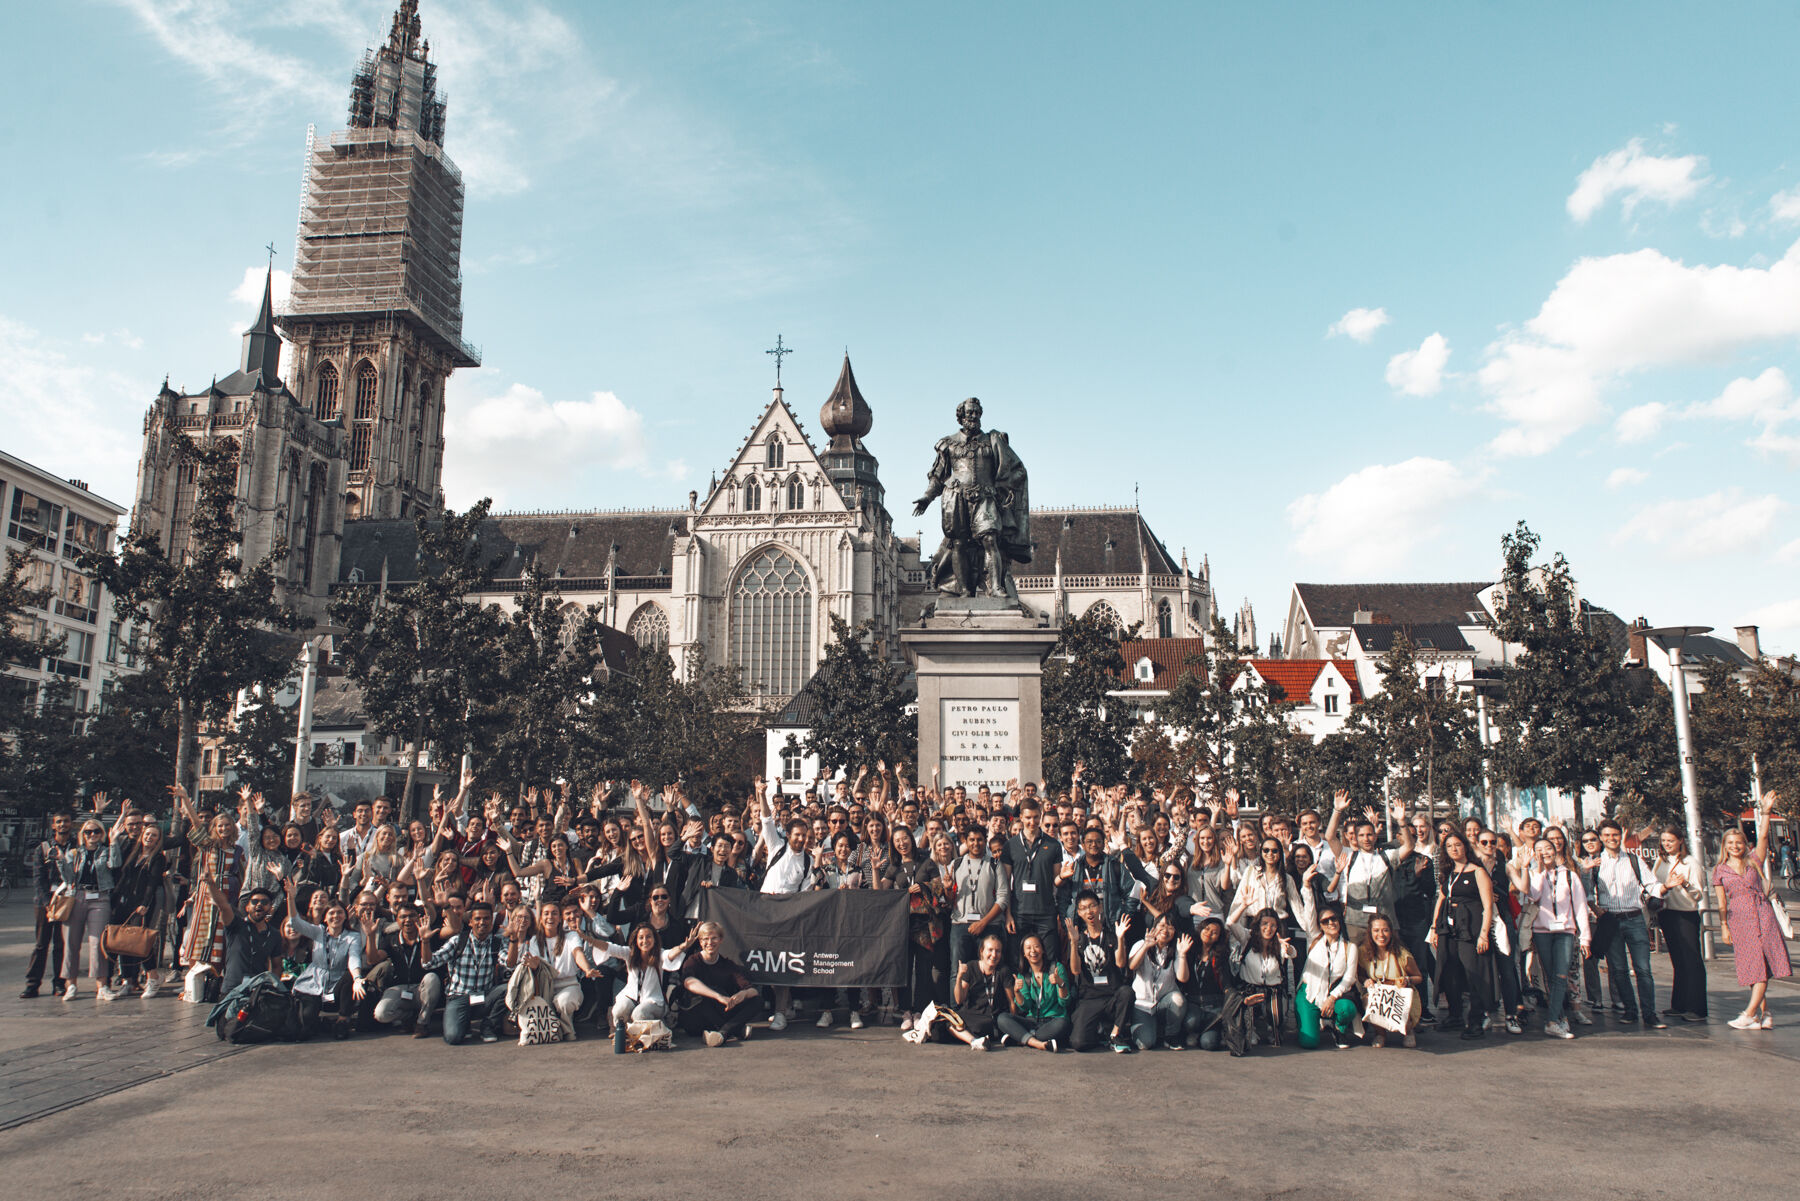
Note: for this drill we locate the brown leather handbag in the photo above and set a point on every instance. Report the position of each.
(133, 940)
(59, 906)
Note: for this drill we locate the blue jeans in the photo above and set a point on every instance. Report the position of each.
(1633, 936)
(1555, 951)
(456, 1015)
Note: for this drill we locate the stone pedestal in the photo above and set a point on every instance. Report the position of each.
(980, 665)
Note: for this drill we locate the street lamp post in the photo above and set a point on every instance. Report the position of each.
(1675, 636)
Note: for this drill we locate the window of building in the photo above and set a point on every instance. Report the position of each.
(1331, 703)
(79, 598)
(112, 642)
(1104, 613)
(796, 494)
(793, 762)
(35, 521)
(776, 452)
(77, 655)
(1165, 620)
(1145, 670)
(82, 533)
(649, 626)
(771, 624)
(752, 495)
(325, 393)
(362, 434)
(39, 576)
(32, 630)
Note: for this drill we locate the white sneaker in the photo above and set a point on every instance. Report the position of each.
(69, 994)
(824, 1022)
(778, 1022)
(152, 986)
(856, 1022)
(980, 1044)
(107, 992)
(906, 1023)
(714, 1038)
(1742, 1021)
(1558, 1030)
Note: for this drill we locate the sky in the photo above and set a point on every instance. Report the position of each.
(1339, 292)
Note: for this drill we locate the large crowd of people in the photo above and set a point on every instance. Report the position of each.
(1094, 918)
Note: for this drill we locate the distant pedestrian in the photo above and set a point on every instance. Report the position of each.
(1750, 929)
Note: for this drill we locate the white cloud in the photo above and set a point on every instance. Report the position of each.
(250, 289)
(1373, 519)
(1765, 398)
(1630, 173)
(1778, 625)
(102, 408)
(1358, 325)
(1641, 422)
(1723, 522)
(1785, 206)
(1609, 317)
(1420, 372)
(1626, 477)
(520, 447)
(1789, 553)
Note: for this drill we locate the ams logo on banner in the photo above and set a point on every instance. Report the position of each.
(775, 962)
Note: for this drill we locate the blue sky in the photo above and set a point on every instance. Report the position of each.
(1141, 234)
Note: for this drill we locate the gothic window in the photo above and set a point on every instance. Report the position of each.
(420, 416)
(752, 495)
(1165, 620)
(796, 494)
(776, 452)
(325, 393)
(187, 478)
(362, 433)
(649, 627)
(771, 623)
(1102, 612)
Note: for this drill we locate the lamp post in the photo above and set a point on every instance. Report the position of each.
(1674, 637)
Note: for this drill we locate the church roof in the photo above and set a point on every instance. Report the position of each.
(1097, 542)
(1392, 604)
(846, 414)
(568, 545)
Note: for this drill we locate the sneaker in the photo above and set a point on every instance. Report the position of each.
(1124, 1048)
(1558, 1030)
(1583, 1018)
(1696, 1019)
(1768, 1021)
(1051, 1046)
(856, 1021)
(107, 992)
(31, 991)
(714, 1038)
(1654, 1023)
(980, 1044)
(1513, 1026)
(1005, 1040)
(906, 1022)
(69, 992)
(1173, 1045)
(824, 1022)
(745, 1037)
(778, 1022)
(490, 1038)
(152, 986)
(1744, 1021)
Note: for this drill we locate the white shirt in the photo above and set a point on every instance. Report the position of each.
(1325, 861)
(560, 955)
(1621, 888)
(1561, 902)
(1153, 981)
(788, 871)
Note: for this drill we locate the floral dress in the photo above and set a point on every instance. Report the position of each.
(1756, 944)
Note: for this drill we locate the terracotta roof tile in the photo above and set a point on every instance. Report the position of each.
(1169, 656)
(1296, 677)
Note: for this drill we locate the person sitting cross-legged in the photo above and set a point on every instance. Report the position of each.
(722, 1001)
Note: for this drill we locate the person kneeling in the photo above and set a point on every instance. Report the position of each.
(983, 990)
(722, 1001)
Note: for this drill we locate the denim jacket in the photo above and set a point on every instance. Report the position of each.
(69, 865)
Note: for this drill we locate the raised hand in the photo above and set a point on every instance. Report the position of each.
(1340, 800)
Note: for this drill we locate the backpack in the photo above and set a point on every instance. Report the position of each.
(264, 1014)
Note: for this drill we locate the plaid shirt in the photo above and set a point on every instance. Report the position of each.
(474, 966)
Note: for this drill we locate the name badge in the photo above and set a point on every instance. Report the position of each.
(1028, 887)
(1371, 909)
(93, 896)
(1100, 978)
(406, 994)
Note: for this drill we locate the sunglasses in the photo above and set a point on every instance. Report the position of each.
(1329, 921)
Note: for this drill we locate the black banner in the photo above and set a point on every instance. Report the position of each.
(842, 938)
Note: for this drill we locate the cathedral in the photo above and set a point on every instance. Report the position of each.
(337, 410)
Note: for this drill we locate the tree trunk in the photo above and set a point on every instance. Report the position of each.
(412, 770)
(184, 762)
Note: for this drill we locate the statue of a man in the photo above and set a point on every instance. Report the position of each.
(986, 509)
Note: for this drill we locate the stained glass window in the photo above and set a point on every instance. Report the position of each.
(771, 623)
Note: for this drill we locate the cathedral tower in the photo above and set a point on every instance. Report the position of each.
(375, 317)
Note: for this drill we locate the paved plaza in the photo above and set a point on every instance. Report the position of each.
(137, 1099)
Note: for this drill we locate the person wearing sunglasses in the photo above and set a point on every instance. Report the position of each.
(87, 871)
(1325, 1004)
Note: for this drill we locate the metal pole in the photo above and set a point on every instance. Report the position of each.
(1690, 785)
(1487, 787)
(309, 658)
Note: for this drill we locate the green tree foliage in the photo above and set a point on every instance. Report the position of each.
(1425, 729)
(1227, 731)
(1079, 723)
(130, 744)
(1564, 708)
(424, 653)
(205, 618)
(1353, 758)
(43, 763)
(647, 722)
(1773, 734)
(862, 701)
(546, 660)
(259, 747)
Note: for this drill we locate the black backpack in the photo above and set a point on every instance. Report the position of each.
(265, 1014)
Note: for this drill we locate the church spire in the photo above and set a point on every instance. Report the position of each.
(846, 414)
(262, 345)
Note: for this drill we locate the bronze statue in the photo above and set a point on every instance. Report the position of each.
(986, 510)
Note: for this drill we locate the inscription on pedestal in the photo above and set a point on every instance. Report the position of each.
(979, 741)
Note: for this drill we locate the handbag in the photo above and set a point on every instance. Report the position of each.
(133, 940)
(60, 905)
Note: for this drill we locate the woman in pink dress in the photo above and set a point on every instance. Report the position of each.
(1749, 921)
